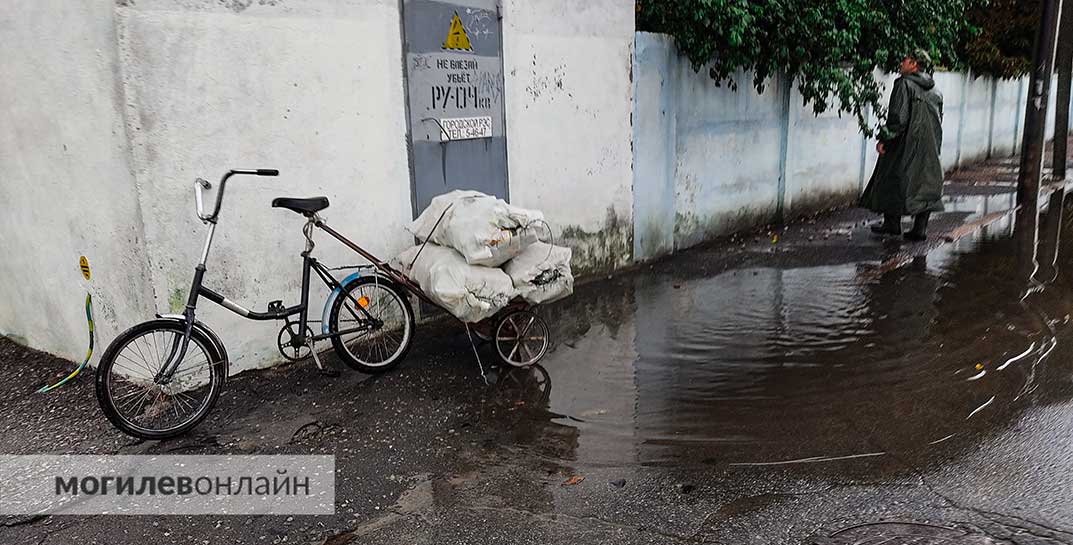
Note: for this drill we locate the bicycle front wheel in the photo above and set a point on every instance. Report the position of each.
(139, 406)
(372, 325)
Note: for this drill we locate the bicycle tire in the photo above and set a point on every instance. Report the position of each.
(217, 371)
(344, 353)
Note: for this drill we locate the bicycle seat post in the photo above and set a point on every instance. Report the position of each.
(307, 230)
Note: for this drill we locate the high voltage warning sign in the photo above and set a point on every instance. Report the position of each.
(83, 264)
(457, 38)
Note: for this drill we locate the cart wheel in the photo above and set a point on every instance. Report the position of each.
(521, 338)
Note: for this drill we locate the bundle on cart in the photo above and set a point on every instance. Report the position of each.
(469, 292)
(481, 254)
(485, 230)
(541, 273)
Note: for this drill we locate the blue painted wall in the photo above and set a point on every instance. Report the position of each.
(709, 161)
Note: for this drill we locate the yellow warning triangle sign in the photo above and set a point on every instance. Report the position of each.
(456, 36)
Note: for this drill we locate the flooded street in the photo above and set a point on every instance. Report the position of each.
(767, 365)
(774, 365)
(790, 386)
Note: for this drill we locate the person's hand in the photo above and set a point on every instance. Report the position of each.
(880, 148)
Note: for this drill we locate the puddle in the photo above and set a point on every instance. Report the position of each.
(799, 366)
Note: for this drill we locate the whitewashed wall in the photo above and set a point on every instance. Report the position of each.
(112, 108)
(952, 86)
(65, 186)
(567, 70)
(975, 129)
(314, 90)
(1007, 128)
(727, 153)
(823, 158)
(110, 112)
(740, 159)
(655, 143)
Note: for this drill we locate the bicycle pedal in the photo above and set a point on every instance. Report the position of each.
(329, 372)
(276, 306)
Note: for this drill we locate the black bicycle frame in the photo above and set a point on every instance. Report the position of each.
(198, 289)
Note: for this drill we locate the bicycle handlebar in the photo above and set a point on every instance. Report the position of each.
(258, 172)
(200, 184)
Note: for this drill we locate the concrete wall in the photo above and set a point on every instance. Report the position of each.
(740, 159)
(655, 136)
(314, 90)
(727, 153)
(952, 86)
(823, 158)
(567, 79)
(976, 123)
(65, 186)
(1009, 112)
(110, 110)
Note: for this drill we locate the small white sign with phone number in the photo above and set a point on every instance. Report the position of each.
(465, 128)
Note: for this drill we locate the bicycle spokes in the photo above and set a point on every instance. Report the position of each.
(380, 321)
(139, 399)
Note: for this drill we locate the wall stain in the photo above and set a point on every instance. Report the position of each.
(602, 251)
(652, 240)
(691, 229)
(238, 6)
(18, 339)
(540, 84)
(177, 300)
(822, 201)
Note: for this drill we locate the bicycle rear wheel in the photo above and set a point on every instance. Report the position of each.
(373, 325)
(140, 407)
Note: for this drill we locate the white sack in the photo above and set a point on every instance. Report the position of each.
(469, 292)
(541, 273)
(485, 230)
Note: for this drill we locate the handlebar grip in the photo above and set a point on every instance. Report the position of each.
(267, 172)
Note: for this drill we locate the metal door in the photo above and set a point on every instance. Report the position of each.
(454, 69)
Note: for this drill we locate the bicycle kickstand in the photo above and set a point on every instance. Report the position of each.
(316, 359)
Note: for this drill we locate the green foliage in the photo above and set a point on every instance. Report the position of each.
(829, 47)
(1003, 46)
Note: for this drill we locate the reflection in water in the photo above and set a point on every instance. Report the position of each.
(519, 404)
(772, 366)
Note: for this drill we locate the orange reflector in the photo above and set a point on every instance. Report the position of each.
(363, 301)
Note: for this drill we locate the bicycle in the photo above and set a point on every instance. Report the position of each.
(176, 365)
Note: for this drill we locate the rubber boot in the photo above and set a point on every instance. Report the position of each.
(920, 227)
(892, 225)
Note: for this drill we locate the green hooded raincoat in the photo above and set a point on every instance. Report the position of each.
(908, 178)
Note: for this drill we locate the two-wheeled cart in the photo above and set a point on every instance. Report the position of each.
(519, 336)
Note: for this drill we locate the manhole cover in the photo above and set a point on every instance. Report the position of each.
(903, 533)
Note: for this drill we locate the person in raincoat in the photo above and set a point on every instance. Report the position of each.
(908, 179)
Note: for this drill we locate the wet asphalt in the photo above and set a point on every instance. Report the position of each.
(802, 384)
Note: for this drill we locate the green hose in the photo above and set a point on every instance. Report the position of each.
(89, 353)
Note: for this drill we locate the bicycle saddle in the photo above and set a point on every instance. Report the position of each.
(305, 207)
